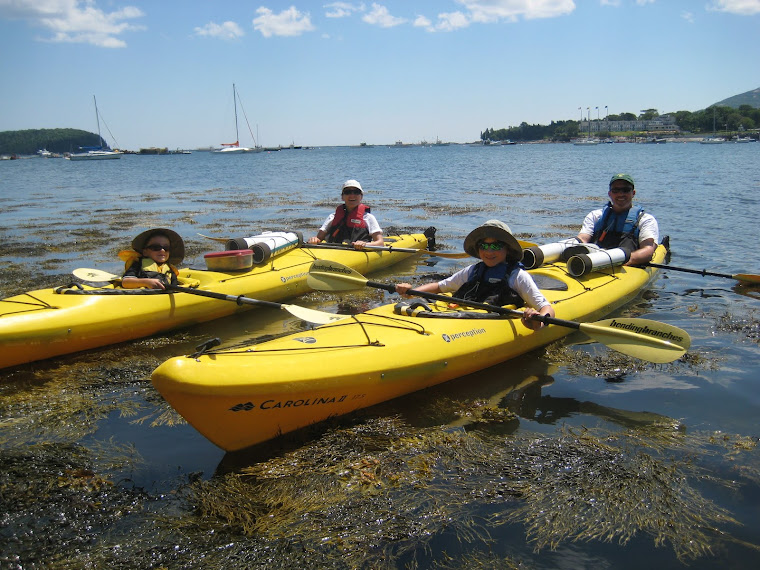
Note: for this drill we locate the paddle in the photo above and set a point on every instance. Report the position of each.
(390, 248)
(447, 254)
(304, 313)
(220, 240)
(642, 338)
(745, 277)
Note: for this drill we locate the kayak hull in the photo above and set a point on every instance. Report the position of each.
(51, 322)
(237, 398)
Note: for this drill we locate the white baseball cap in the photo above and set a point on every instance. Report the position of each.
(352, 184)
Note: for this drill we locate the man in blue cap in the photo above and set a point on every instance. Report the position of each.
(621, 225)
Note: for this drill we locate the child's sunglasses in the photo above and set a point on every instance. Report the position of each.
(495, 246)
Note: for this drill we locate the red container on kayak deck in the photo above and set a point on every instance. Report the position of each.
(232, 260)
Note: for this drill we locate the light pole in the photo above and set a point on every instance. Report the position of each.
(606, 114)
(597, 113)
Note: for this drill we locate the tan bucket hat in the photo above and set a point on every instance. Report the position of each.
(177, 253)
(497, 230)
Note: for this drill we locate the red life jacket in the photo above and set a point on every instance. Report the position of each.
(345, 227)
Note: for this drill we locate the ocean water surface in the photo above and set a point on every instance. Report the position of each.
(606, 464)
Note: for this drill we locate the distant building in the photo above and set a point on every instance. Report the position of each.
(661, 123)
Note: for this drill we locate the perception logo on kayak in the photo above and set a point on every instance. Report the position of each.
(306, 339)
(463, 334)
(287, 278)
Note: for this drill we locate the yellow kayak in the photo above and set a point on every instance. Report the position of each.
(237, 398)
(51, 322)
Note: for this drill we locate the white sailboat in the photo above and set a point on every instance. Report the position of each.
(713, 139)
(97, 152)
(233, 148)
(587, 141)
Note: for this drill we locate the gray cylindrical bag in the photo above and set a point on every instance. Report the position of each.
(585, 263)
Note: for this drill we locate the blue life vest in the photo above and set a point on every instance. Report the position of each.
(491, 285)
(617, 230)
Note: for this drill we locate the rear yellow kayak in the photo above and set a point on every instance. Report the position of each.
(237, 398)
(51, 322)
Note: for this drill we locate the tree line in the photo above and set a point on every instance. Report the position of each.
(746, 117)
(55, 140)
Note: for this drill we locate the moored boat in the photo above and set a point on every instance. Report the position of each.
(101, 152)
(50, 322)
(240, 397)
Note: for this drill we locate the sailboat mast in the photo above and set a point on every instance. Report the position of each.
(97, 120)
(234, 100)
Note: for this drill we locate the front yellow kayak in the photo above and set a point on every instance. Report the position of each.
(237, 398)
(51, 322)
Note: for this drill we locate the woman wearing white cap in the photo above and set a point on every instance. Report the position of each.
(498, 278)
(352, 221)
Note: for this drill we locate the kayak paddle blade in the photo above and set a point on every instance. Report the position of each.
(312, 315)
(332, 276)
(747, 278)
(86, 274)
(649, 340)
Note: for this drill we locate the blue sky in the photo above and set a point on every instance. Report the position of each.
(341, 73)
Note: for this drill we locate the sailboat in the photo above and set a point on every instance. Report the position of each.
(713, 139)
(95, 152)
(235, 147)
(587, 141)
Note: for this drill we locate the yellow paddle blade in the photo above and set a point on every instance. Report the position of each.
(219, 239)
(641, 338)
(747, 277)
(313, 316)
(86, 274)
(333, 276)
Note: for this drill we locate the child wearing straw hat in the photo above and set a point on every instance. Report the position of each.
(498, 277)
(152, 261)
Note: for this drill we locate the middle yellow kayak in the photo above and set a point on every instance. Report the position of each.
(237, 398)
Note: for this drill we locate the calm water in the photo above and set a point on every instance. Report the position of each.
(59, 215)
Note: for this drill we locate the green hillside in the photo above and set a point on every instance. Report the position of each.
(55, 140)
(751, 98)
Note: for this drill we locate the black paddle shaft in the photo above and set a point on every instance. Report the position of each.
(701, 272)
(239, 299)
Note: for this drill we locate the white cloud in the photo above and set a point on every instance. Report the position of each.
(379, 16)
(422, 22)
(289, 22)
(489, 11)
(342, 9)
(738, 7)
(450, 21)
(615, 3)
(224, 31)
(688, 16)
(644, 2)
(75, 21)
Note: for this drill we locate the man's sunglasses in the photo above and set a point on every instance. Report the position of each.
(157, 247)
